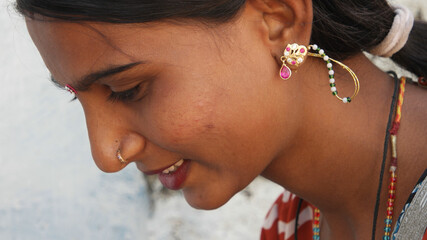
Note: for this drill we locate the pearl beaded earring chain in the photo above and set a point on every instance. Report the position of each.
(294, 55)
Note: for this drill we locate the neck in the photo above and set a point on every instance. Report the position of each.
(338, 148)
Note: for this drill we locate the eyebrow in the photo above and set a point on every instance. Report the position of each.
(84, 83)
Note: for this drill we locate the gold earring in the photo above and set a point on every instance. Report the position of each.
(294, 55)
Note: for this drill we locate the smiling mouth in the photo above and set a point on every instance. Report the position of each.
(174, 176)
(174, 167)
(170, 169)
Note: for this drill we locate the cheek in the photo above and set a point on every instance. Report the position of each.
(189, 122)
(214, 105)
(185, 117)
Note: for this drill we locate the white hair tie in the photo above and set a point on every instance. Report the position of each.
(398, 34)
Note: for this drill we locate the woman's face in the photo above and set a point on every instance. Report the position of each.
(211, 95)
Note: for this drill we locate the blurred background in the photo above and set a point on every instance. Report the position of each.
(51, 189)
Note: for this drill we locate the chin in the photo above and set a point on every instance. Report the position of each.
(205, 200)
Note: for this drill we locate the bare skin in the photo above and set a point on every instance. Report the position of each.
(214, 95)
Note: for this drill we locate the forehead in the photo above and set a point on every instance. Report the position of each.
(71, 50)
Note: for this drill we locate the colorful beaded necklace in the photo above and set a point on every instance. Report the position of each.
(393, 164)
(316, 224)
(393, 176)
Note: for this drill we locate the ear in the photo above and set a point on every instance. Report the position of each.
(284, 22)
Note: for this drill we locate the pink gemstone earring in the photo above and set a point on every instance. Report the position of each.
(294, 55)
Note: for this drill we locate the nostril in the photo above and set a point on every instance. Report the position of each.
(109, 160)
(113, 153)
(131, 147)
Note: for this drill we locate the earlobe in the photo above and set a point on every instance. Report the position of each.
(287, 21)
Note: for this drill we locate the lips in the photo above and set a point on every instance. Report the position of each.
(174, 176)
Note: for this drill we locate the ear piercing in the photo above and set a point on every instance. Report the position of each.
(294, 55)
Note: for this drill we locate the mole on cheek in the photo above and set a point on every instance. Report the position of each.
(209, 126)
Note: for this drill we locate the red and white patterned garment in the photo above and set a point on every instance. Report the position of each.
(280, 221)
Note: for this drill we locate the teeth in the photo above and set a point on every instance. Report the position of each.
(170, 169)
(179, 163)
(174, 167)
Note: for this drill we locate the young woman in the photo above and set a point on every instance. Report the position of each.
(211, 94)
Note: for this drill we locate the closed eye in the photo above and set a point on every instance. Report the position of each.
(125, 96)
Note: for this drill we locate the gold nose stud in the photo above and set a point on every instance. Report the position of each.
(119, 157)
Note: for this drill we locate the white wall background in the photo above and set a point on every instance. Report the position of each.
(51, 189)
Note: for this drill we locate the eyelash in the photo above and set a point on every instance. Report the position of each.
(125, 96)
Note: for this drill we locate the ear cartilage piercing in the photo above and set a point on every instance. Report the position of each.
(119, 156)
(294, 55)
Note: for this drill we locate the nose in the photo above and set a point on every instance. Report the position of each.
(110, 129)
(112, 155)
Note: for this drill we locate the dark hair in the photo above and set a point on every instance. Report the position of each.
(342, 28)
